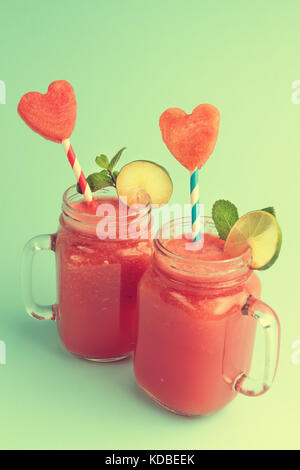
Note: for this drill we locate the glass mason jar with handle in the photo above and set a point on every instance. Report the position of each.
(197, 318)
(100, 259)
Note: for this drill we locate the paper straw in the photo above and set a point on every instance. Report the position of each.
(84, 186)
(194, 191)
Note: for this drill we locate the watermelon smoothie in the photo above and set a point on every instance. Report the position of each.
(97, 278)
(193, 341)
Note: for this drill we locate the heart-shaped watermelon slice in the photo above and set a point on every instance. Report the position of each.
(191, 138)
(51, 115)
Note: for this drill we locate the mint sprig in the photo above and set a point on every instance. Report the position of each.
(107, 176)
(224, 215)
(99, 180)
(271, 210)
(102, 161)
(115, 159)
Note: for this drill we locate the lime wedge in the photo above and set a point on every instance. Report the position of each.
(142, 176)
(260, 231)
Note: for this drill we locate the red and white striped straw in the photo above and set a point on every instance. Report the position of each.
(86, 190)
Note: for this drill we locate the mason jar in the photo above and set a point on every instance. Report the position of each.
(197, 321)
(100, 259)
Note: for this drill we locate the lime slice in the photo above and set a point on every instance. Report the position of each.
(260, 231)
(142, 176)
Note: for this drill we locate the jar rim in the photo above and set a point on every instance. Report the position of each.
(76, 214)
(240, 261)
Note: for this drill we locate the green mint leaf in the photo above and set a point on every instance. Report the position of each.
(102, 161)
(224, 215)
(115, 159)
(116, 174)
(271, 210)
(98, 181)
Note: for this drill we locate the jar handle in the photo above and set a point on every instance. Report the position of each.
(268, 319)
(36, 244)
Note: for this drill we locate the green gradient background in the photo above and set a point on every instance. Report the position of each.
(128, 61)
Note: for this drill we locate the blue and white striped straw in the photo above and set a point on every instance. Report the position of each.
(194, 191)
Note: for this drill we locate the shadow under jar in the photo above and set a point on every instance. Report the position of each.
(100, 259)
(197, 317)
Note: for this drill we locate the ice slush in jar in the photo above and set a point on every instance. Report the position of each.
(197, 318)
(100, 259)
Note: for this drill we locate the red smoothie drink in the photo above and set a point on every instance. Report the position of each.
(97, 278)
(193, 340)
